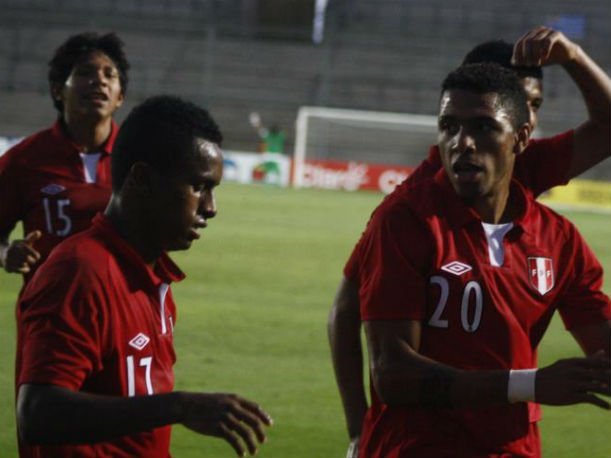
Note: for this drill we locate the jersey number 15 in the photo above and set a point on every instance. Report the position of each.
(64, 223)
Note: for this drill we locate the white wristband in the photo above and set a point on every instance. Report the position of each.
(353, 448)
(521, 386)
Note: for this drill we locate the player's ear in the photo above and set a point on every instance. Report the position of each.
(522, 137)
(56, 91)
(140, 179)
(120, 99)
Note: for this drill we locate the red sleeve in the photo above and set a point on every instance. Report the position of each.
(394, 251)
(426, 169)
(584, 303)
(545, 163)
(10, 203)
(61, 321)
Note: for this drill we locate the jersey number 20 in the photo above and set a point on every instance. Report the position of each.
(471, 305)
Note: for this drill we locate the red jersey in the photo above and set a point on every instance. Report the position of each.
(474, 315)
(49, 185)
(95, 318)
(543, 165)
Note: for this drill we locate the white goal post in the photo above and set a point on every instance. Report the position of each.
(349, 143)
(360, 136)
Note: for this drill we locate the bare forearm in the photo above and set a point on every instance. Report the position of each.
(353, 396)
(52, 415)
(348, 364)
(594, 85)
(344, 329)
(426, 383)
(403, 376)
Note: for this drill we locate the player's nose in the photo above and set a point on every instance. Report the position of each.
(465, 143)
(207, 205)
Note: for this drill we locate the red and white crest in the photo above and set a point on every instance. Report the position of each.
(541, 274)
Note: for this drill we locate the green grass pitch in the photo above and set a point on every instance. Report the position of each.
(252, 320)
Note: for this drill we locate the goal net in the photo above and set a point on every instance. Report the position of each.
(355, 137)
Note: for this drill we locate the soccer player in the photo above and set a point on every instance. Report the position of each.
(545, 163)
(95, 348)
(453, 322)
(56, 180)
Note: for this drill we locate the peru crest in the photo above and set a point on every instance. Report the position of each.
(541, 274)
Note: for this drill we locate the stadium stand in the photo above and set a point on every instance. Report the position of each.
(386, 55)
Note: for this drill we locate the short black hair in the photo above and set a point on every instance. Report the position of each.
(487, 77)
(78, 46)
(500, 52)
(160, 132)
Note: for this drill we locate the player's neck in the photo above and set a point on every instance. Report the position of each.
(90, 135)
(129, 226)
(496, 208)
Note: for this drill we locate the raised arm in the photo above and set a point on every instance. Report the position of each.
(402, 376)
(593, 137)
(545, 46)
(344, 330)
(48, 414)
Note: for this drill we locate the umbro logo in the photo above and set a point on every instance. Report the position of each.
(456, 268)
(140, 341)
(52, 189)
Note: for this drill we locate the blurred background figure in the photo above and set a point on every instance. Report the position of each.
(272, 138)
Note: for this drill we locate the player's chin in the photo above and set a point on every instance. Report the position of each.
(95, 113)
(183, 243)
(468, 192)
(184, 240)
